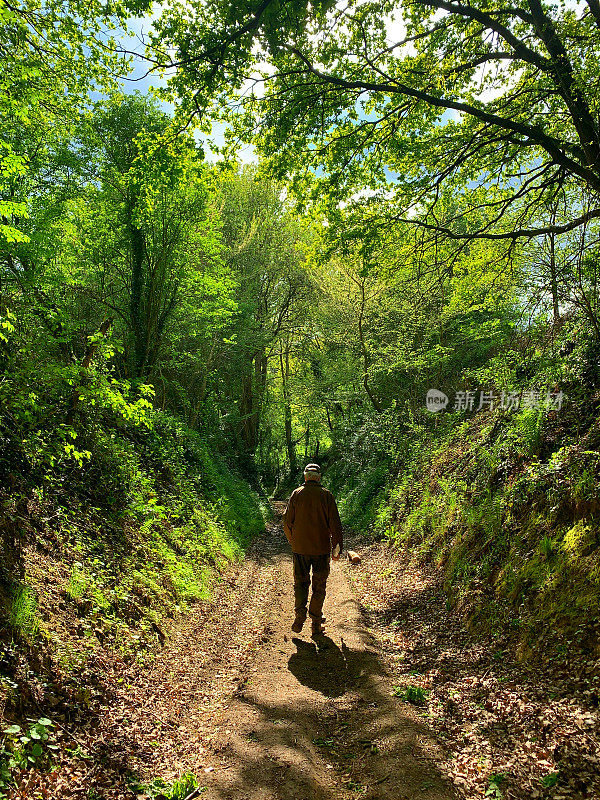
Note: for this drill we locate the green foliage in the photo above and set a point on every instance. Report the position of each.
(159, 788)
(507, 527)
(24, 748)
(547, 546)
(363, 494)
(170, 517)
(24, 613)
(416, 695)
(495, 783)
(151, 240)
(145, 511)
(550, 780)
(530, 427)
(346, 109)
(54, 54)
(7, 327)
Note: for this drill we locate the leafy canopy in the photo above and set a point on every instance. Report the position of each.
(415, 101)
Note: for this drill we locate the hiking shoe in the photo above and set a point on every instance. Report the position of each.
(317, 628)
(298, 623)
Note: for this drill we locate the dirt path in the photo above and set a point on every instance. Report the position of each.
(261, 714)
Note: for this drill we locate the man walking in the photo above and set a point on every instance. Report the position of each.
(312, 526)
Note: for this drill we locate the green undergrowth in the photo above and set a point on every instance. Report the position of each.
(360, 496)
(159, 789)
(507, 505)
(112, 525)
(112, 547)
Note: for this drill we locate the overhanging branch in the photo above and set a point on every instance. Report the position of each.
(520, 233)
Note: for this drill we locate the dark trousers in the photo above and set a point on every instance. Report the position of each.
(320, 573)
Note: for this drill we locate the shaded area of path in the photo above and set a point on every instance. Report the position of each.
(261, 714)
(319, 720)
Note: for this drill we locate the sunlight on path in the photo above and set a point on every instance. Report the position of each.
(260, 714)
(318, 720)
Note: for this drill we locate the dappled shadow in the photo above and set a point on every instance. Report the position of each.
(493, 705)
(272, 545)
(360, 740)
(350, 738)
(278, 719)
(435, 637)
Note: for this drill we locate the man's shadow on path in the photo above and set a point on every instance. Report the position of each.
(320, 665)
(323, 666)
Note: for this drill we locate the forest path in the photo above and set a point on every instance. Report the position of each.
(259, 713)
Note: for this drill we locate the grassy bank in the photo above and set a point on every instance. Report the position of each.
(506, 504)
(102, 551)
(135, 537)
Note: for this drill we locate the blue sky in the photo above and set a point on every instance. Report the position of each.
(141, 80)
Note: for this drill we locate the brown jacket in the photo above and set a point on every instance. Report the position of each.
(311, 521)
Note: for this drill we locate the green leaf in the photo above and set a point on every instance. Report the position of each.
(37, 750)
(12, 729)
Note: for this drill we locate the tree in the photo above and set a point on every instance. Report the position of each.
(149, 233)
(53, 54)
(427, 99)
(264, 251)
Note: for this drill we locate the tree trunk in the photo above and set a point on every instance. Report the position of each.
(247, 414)
(329, 423)
(287, 410)
(366, 357)
(260, 388)
(140, 345)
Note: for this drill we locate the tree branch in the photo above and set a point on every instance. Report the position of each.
(549, 144)
(521, 233)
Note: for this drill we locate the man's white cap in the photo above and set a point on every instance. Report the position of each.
(312, 469)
